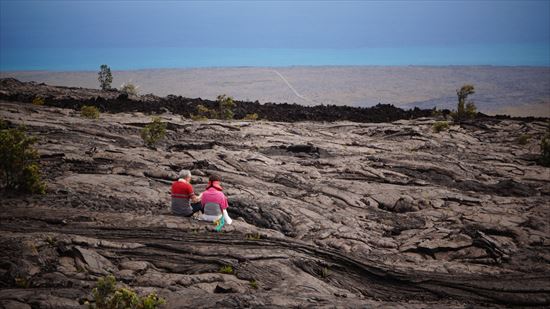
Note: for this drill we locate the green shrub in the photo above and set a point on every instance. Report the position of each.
(463, 94)
(226, 106)
(90, 112)
(105, 77)
(19, 161)
(224, 111)
(51, 241)
(253, 284)
(22, 282)
(545, 149)
(108, 296)
(3, 124)
(325, 272)
(154, 132)
(253, 236)
(38, 101)
(204, 113)
(523, 139)
(439, 126)
(471, 110)
(252, 117)
(129, 89)
(199, 118)
(227, 269)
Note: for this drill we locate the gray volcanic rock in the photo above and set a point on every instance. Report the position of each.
(325, 214)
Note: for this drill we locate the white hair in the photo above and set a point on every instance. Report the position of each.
(184, 174)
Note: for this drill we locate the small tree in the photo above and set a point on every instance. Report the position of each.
(129, 89)
(471, 110)
(226, 106)
(153, 132)
(19, 166)
(105, 77)
(462, 94)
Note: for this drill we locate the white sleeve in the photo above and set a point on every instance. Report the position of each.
(226, 217)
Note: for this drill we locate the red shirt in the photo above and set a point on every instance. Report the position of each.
(182, 189)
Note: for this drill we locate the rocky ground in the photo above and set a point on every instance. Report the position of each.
(338, 214)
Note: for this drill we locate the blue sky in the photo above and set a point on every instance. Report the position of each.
(272, 24)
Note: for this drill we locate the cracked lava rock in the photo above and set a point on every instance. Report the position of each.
(326, 214)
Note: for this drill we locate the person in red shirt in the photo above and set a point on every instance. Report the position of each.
(184, 201)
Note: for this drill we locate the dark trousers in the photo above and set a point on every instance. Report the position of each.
(196, 207)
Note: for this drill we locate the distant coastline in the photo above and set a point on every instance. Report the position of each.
(514, 90)
(132, 58)
(3, 71)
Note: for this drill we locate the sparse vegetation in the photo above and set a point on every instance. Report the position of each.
(523, 139)
(545, 149)
(254, 236)
(3, 124)
(199, 118)
(21, 282)
(90, 112)
(203, 113)
(252, 117)
(253, 284)
(20, 170)
(154, 132)
(226, 269)
(129, 89)
(105, 77)
(51, 241)
(226, 106)
(436, 112)
(471, 110)
(439, 126)
(463, 109)
(453, 115)
(462, 94)
(38, 101)
(108, 296)
(325, 272)
(224, 111)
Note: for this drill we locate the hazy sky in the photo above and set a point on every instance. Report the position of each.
(273, 24)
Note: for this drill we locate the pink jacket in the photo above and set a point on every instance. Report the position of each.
(213, 195)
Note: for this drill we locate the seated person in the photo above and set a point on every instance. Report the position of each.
(184, 201)
(214, 202)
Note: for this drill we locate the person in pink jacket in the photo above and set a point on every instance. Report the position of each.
(214, 202)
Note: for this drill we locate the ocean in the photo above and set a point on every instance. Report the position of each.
(83, 59)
